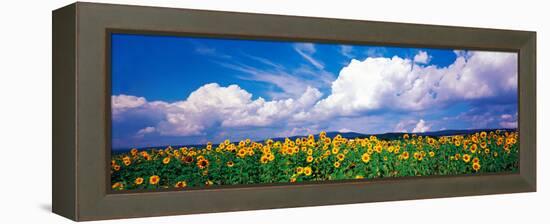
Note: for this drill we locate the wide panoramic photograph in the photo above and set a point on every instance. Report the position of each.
(191, 112)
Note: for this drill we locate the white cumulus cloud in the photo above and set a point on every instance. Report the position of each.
(345, 130)
(122, 103)
(145, 131)
(399, 84)
(422, 58)
(421, 127)
(508, 121)
(404, 125)
(212, 106)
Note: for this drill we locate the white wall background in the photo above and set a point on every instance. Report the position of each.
(25, 114)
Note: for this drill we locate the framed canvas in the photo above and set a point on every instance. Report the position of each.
(161, 111)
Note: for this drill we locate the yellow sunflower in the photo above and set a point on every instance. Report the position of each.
(138, 181)
(117, 186)
(378, 148)
(405, 155)
(457, 142)
(365, 157)
(307, 171)
(370, 151)
(340, 157)
(230, 164)
(241, 153)
(500, 141)
(475, 139)
(420, 156)
(203, 163)
(299, 170)
(417, 155)
(483, 145)
(180, 184)
(483, 134)
(476, 166)
(466, 158)
(473, 148)
(209, 183)
(154, 179)
(264, 159)
(188, 159)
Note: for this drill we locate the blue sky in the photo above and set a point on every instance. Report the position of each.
(182, 90)
(168, 68)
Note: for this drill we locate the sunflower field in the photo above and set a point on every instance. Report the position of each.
(314, 159)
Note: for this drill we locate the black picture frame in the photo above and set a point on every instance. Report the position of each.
(81, 110)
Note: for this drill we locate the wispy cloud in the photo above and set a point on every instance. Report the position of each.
(289, 80)
(483, 116)
(265, 61)
(291, 85)
(375, 52)
(212, 52)
(309, 73)
(204, 50)
(347, 51)
(306, 50)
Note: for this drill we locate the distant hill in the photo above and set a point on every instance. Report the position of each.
(350, 135)
(395, 135)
